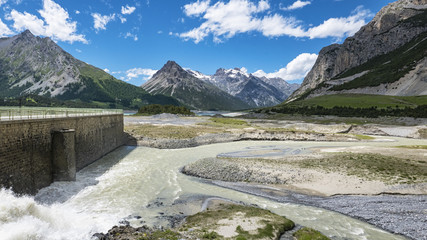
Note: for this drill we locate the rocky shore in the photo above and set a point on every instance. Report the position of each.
(252, 135)
(399, 214)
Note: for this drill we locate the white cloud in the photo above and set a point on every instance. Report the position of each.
(294, 70)
(224, 20)
(130, 35)
(2, 2)
(138, 72)
(196, 8)
(78, 50)
(126, 10)
(56, 24)
(4, 30)
(122, 19)
(276, 25)
(296, 5)
(22, 21)
(101, 21)
(106, 70)
(77, 12)
(341, 27)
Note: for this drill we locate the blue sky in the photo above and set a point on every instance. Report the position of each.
(132, 39)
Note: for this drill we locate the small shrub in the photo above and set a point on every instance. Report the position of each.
(309, 234)
(210, 235)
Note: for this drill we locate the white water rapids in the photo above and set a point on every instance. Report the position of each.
(140, 181)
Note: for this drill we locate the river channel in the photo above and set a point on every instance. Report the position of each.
(143, 185)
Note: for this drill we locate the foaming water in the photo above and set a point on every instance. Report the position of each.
(142, 185)
(23, 218)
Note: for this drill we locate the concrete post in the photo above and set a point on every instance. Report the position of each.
(64, 155)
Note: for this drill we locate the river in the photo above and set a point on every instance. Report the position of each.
(144, 186)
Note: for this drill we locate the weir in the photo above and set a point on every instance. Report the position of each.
(35, 152)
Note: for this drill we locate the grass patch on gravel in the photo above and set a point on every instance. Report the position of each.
(423, 133)
(207, 224)
(413, 146)
(226, 123)
(167, 234)
(363, 137)
(390, 170)
(309, 234)
(171, 132)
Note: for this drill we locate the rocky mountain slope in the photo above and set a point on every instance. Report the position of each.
(255, 91)
(173, 80)
(34, 65)
(387, 56)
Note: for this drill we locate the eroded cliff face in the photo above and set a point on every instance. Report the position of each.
(391, 28)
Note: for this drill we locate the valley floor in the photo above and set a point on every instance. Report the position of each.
(354, 173)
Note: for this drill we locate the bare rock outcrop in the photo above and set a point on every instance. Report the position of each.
(385, 33)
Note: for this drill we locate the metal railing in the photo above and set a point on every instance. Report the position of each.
(24, 113)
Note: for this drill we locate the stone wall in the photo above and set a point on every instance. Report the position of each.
(26, 147)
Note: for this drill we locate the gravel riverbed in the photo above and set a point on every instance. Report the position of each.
(400, 214)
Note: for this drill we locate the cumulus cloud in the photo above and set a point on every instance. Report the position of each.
(224, 20)
(294, 70)
(56, 24)
(341, 27)
(100, 21)
(196, 8)
(4, 30)
(106, 70)
(122, 19)
(130, 35)
(2, 2)
(126, 10)
(138, 72)
(22, 21)
(296, 5)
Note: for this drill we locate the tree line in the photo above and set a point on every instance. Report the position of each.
(154, 109)
(372, 112)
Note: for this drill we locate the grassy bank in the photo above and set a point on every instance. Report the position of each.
(360, 101)
(391, 170)
(170, 132)
(236, 222)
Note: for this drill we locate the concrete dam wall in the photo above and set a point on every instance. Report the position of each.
(34, 153)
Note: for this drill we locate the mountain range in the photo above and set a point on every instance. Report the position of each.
(173, 80)
(38, 66)
(227, 89)
(388, 56)
(34, 65)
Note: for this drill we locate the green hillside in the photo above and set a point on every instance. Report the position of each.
(355, 105)
(360, 101)
(104, 88)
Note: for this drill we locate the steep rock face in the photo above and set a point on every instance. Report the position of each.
(286, 88)
(31, 64)
(173, 80)
(389, 30)
(255, 91)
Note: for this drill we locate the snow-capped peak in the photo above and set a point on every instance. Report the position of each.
(236, 72)
(199, 75)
